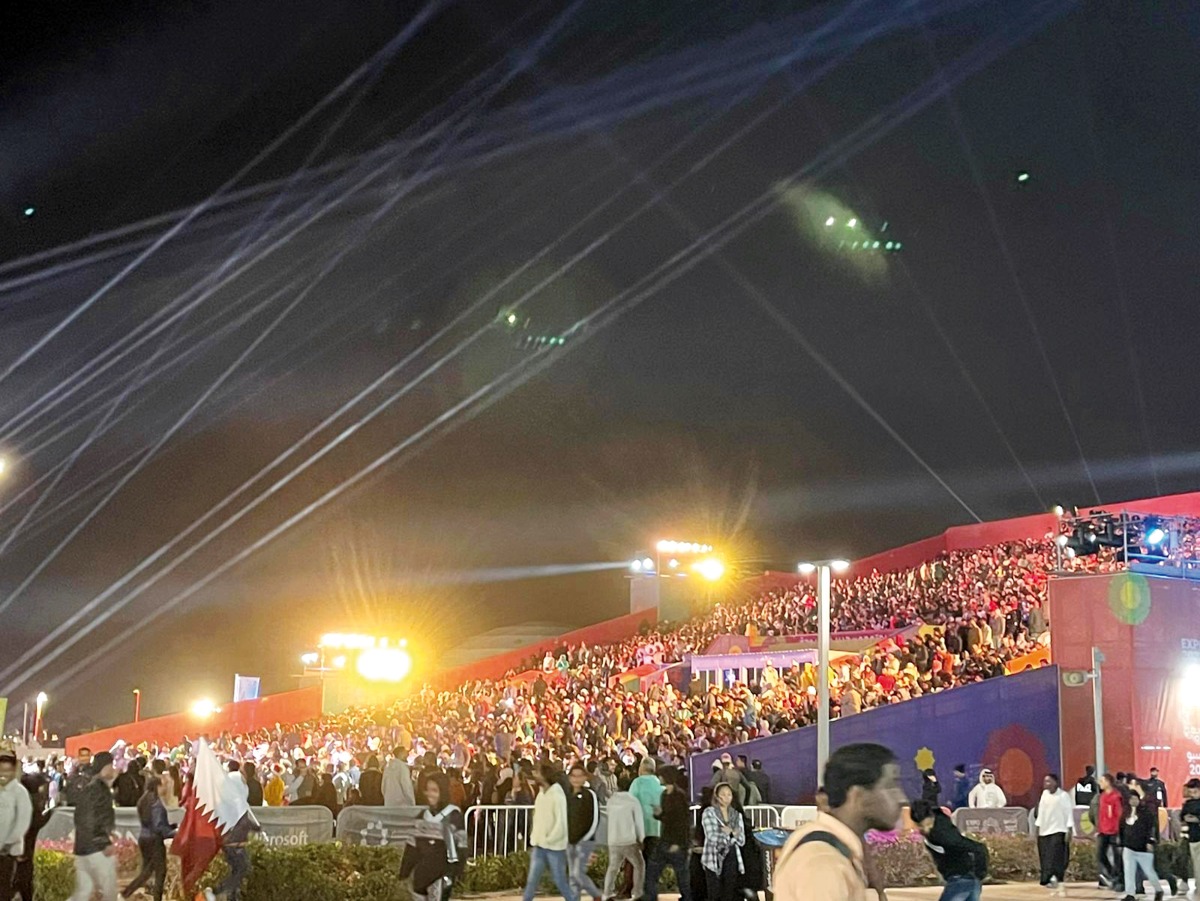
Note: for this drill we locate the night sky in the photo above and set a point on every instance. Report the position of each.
(783, 395)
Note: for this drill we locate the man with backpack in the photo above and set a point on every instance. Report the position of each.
(961, 861)
(824, 860)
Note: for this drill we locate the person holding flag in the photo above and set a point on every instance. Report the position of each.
(216, 816)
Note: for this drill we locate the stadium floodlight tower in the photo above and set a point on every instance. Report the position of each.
(824, 570)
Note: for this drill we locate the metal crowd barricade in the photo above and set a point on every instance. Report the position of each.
(494, 830)
(762, 816)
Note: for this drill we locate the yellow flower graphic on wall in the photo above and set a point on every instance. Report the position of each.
(924, 759)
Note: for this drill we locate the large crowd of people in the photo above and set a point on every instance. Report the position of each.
(986, 607)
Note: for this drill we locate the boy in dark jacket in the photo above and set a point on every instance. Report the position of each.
(95, 821)
(961, 861)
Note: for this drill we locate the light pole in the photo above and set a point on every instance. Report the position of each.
(39, 707)
(1098, 706)
(824, 570)
(137, 705)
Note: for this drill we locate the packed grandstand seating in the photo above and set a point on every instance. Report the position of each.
(987, 606)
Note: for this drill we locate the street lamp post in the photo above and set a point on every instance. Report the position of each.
(824, 570)
(38, 709)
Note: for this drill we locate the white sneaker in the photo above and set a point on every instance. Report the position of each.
(209, 896)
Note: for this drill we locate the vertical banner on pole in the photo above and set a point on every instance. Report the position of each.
(245, 688)
(3, 712)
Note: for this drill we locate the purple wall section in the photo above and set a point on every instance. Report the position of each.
(1010, 725)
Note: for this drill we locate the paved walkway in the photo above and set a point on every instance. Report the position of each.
(1012, 892)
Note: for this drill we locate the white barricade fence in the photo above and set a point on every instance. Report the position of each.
(796, 815)
(364, 825)
(497, 829)
(299, 825)
(762, 816)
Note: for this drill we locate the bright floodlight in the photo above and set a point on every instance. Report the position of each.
(807, 569)
(1057, 510)
(384, 664)
(42, 698)
(839, 566)
(636, 566)
(673, 563)
(853, 223)
(1155, 536)
(309, 659)
(648, 564)
(1022, 176)
(339, 662)
(203, 708)
(711, 569)
(29, 211)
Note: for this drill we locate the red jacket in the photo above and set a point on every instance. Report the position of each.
(1111, 808)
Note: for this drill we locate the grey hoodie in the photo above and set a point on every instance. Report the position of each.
(398, 785)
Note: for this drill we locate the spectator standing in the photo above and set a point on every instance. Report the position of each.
(1190, 815)
(824, 860)
(961, 861)
(131, 785)
(626, 832)
(156, 829)
(95, 820)
(1108, 832)
(761, 780)
(1138, 834)
(233, 845)
(1156, 789)
(1085, 788)
(1055, 821)
(548, 837)
(39, 816)
(961, 790)
(673, 847)
(370, 783)
(648, 791)
(930, 787)
(583, 816)
(987, 793)
(274, 790)
(16, 813)
(724, 836)
(397, 781)
(254, 788)
(432, 859)
(81, 776)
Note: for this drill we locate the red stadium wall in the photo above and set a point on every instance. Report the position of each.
(286, 707)
(959, 538)
(1148, 628)
(609, 631)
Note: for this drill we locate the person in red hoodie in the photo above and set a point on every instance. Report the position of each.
(1108, 832)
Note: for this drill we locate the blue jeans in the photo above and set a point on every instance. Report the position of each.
(678, 861)
(577, 860)
(961, 888)
(539, 859)
(1139, 860)
(238, 859)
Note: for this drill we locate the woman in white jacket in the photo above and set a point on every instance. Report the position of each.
(548, 837)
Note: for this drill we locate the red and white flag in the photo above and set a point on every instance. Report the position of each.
(213, 803)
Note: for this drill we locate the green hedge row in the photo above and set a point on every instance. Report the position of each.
(336, 872)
